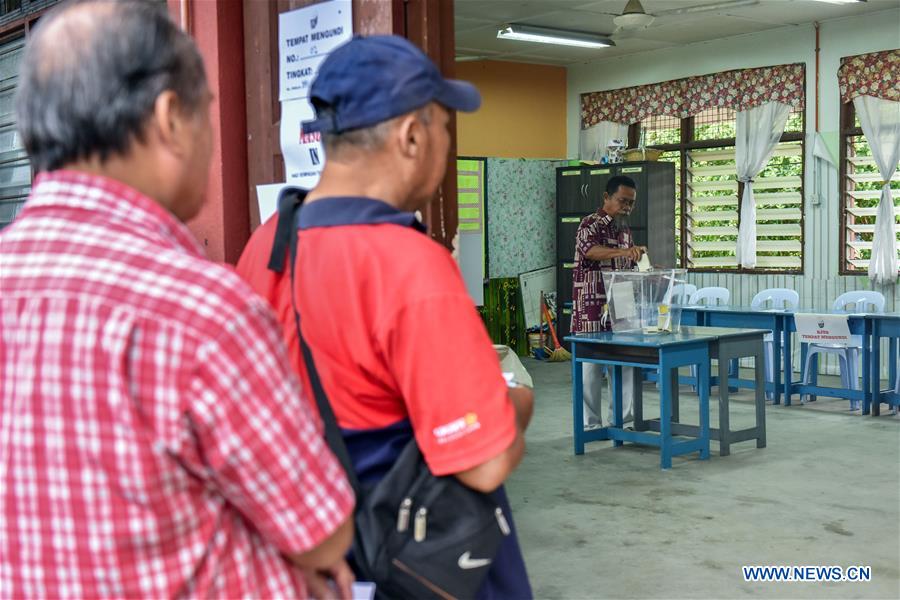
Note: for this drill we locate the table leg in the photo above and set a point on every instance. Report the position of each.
(577, 402)
(617, 400)
(804, 353)
(759, 358)
(676, 406)
(674, 393)
(703, 374)
(777, 370)
(892, 366)
(867, 378)
(813, 375)
(788, 367)
(724, 441)
(665, 409)
(875, 371)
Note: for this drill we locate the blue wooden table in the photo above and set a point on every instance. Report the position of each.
(886, 325)
(748, 318)
(781, 323)
(667, 353)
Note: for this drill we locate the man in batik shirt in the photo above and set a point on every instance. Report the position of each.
(603, 243)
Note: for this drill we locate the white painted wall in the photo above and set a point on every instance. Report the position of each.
(820, 283)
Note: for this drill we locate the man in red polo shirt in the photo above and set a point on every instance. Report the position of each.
(398, 344)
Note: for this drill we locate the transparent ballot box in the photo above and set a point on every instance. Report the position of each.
(642, 301)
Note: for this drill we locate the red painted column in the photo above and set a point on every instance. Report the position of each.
(223, 226)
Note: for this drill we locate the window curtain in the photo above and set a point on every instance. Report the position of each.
(592, 141)
(880, 122)
(740, 89)
(757, 132)
(876, 74)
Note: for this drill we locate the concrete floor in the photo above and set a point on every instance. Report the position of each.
(611, 524)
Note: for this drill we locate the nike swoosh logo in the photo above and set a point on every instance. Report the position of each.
(467, 562)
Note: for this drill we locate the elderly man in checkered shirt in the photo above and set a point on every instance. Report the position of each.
(154, 441)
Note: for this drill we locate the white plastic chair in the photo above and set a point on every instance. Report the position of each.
(775, 298)
(781, 298)
(860, 302)
(848, 355)
(711, 296)
(681, 293)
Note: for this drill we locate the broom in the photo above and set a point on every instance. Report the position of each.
(559, 353)
(541, 352)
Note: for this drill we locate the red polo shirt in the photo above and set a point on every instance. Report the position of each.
(392, 329)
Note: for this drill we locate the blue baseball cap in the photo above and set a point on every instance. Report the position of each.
(372, 79)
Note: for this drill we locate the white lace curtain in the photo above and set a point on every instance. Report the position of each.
(592, 141)
(880, 122)
(757, 132)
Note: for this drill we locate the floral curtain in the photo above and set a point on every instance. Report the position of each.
(876, 74)
(741, 89)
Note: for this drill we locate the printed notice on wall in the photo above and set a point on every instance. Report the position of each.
(303, 152)
(305, 37)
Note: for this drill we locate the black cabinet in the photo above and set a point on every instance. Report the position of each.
(564, 273)
(565, 322)
(579, 192)
(580, 189)
(566, 229)
(569, 190)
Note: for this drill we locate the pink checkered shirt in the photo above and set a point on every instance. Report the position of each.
(153, 440)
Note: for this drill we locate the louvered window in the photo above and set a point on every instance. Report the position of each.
(702, 148)
(471, 187)
(712, 208)
(861, 191)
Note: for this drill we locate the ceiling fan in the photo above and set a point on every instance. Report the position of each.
(634, 18)
(631, 20)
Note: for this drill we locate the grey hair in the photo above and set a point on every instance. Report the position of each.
(365, 138)
(91, 74)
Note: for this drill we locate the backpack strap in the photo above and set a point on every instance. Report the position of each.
(285, 244)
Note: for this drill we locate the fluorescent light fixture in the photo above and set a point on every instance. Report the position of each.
(719, 6)
(841, 1)
(546, 35)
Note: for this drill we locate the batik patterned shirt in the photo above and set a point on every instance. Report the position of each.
(588, 292)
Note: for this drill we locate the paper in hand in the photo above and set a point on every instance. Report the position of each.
(644, 263)
(363, 590)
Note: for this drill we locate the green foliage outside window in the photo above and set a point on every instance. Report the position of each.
(710, 225)
(863, 193)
